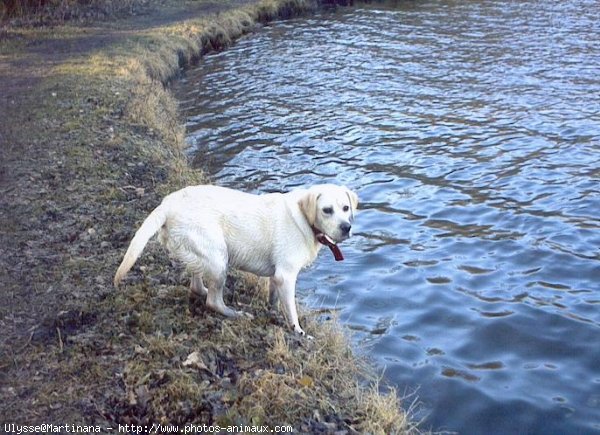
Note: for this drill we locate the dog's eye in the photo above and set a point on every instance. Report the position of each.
(328, 210)
(346, 208)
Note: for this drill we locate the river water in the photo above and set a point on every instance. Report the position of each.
(471, 132)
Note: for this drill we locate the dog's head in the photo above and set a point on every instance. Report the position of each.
(329, 209)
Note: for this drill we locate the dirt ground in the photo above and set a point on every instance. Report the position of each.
(87, 150)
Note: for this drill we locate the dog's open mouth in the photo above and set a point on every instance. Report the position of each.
(331, 244)
(325, 239)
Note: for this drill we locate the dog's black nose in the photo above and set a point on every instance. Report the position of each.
(345, 228)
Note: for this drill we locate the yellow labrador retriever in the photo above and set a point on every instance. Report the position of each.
(210, 228)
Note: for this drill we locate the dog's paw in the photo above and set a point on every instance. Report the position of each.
(300, 331)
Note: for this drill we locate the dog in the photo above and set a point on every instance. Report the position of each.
(211, 228)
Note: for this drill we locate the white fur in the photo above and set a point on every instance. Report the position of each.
(211, 228)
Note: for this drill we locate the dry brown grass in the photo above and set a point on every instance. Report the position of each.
(379, 412)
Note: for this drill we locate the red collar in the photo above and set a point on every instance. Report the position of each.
(325, 240)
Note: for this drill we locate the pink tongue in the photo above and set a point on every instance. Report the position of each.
(337, 254)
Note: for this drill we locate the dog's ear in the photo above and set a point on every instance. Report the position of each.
(308, 206)
(353, 197)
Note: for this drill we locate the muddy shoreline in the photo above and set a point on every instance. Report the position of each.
(90, 144)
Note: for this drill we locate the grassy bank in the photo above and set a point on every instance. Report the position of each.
(91, 142)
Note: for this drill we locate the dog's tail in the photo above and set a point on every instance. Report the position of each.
(151, 225)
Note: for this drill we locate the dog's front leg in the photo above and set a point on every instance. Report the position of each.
(285, 286)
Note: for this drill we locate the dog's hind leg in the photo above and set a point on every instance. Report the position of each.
(198, 292)
(197, 286)
(215, 301)
(206, 259)
(273, 293)
(215, 273)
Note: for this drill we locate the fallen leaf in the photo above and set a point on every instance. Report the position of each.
(194, 360)
(306, 381)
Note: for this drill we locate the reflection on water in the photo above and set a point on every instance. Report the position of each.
(471, 131)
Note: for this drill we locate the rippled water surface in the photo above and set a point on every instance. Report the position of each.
(471, 132)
